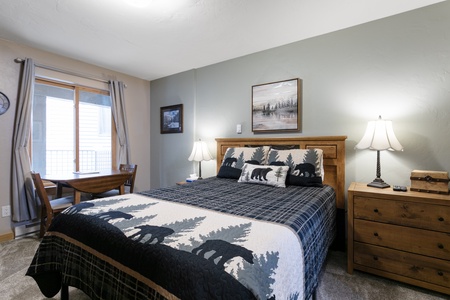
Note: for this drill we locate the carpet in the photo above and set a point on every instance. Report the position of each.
(335, 282)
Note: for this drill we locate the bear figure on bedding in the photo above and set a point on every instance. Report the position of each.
(157, 233)
(223, 249)
(229, 161)
(260, 173)
(109, 215)
(305, 170)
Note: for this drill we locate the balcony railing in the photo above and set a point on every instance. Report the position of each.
(60, 161)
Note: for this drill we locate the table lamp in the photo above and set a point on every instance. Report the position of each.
(379, 136)
(200, 153)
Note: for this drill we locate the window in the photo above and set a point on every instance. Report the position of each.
(71, 129)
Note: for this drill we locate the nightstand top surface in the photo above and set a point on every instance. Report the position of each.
(357, 187)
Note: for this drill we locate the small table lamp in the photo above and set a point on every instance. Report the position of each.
(200, 153)
(379, 136)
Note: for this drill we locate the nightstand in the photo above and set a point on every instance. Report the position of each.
(403, 236)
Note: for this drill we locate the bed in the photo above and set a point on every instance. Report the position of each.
(251, 233)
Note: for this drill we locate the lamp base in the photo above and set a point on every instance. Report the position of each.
(378, 183)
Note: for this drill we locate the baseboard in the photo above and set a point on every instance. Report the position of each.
(6, 237)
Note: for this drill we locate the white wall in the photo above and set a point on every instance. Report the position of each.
(397, 67)
(137, 96)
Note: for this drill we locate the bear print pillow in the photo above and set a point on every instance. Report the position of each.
(306, 165)
(268, 175)
(235, 158)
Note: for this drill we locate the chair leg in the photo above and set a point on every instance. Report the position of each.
(46, 220)
(42, 229)
(49, 221)
(64, 291)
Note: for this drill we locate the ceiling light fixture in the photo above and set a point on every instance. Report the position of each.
(139, 3)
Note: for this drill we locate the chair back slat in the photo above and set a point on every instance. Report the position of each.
(47, 211)
(41, 192)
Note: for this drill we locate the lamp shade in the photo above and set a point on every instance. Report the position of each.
(200, 152)
(379, 136)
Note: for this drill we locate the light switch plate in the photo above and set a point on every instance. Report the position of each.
(239, 128)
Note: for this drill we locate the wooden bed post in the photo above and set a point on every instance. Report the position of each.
(64, 291)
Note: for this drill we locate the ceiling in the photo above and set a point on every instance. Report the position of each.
(150, 39)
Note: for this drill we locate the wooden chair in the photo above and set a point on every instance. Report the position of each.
(49, 208)
(129, 184)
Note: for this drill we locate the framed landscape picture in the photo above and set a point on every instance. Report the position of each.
(276, 106)
(172, 119)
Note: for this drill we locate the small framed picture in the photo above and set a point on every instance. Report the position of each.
(276, 106)
(172, 119)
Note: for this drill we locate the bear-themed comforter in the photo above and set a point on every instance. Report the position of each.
(212, 239)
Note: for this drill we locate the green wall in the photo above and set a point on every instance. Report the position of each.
(397, 67)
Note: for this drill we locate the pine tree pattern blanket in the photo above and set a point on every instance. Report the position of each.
(214, 239)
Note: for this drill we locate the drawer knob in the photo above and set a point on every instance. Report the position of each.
(375, 233)
(441, 219)
(440, 246)
(375, 210)
(440, 273)
(375, 257)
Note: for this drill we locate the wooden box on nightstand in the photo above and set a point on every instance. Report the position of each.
(403, 236)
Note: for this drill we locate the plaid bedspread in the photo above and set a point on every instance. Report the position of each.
(92, 257)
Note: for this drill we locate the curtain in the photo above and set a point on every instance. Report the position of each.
(24, 205)
(120, 120)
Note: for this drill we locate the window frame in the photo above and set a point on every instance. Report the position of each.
(76, 90)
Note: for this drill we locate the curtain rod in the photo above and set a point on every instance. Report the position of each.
(20, 60)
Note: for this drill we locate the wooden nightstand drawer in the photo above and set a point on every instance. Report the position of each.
(409, 265)
(419, 241)
(403, 236)
(419, 215)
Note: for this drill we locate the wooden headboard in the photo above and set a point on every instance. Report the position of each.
(333, 155)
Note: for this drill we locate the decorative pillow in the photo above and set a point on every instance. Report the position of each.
(268, 175)
(235, 158)
(306, 165)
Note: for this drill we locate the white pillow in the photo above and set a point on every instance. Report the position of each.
(267, 175)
